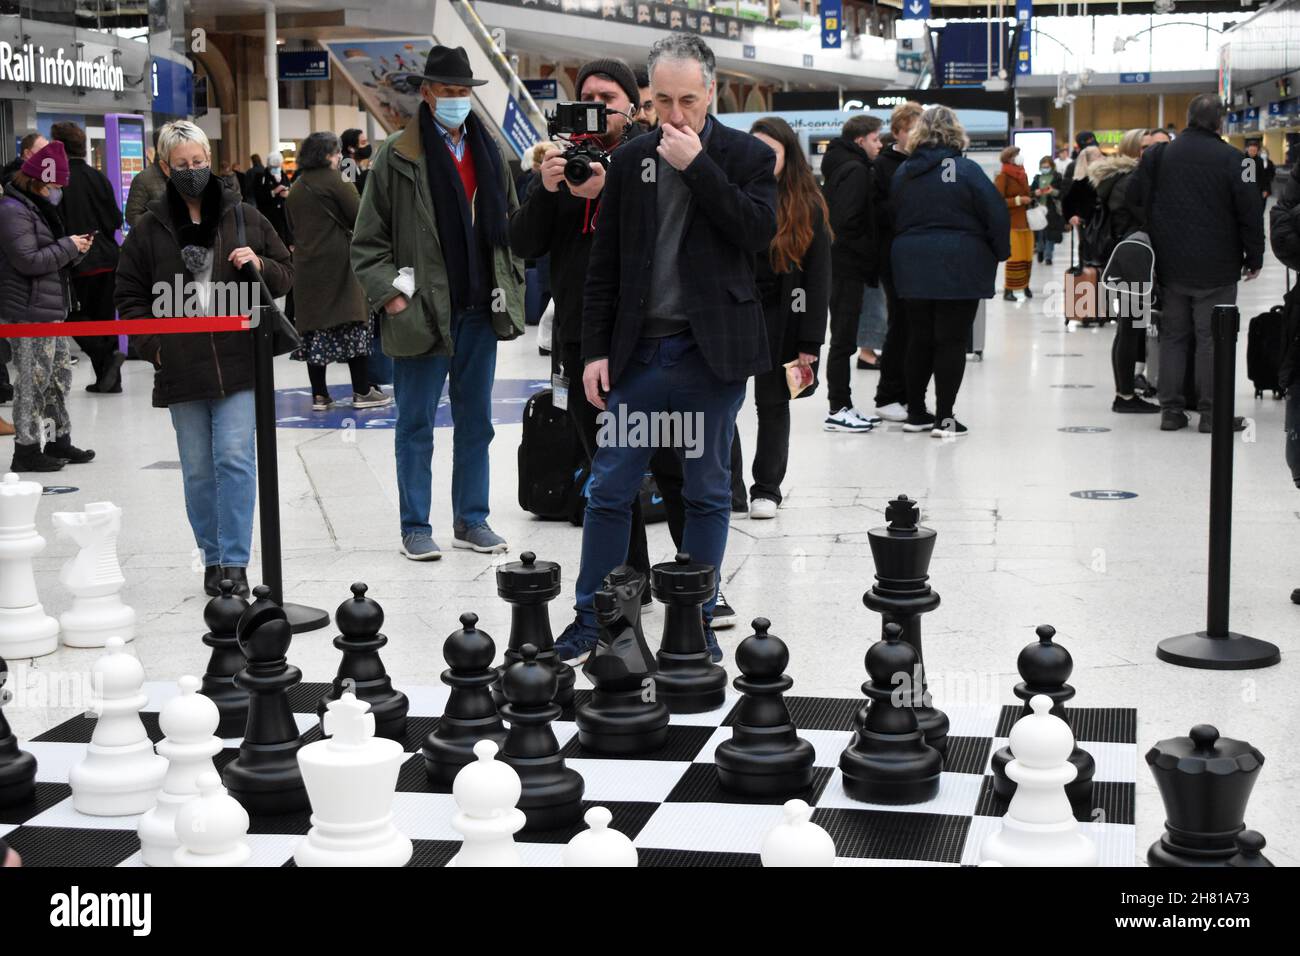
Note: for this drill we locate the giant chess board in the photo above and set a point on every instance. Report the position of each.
(668, 803)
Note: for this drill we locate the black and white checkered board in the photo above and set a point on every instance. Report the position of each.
(669, 803)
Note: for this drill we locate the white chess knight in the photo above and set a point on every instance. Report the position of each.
(1039, 828)
(120, 774)
(211, 828)
(797, 841)
(599, 845)
(351, 779)
(190, 722)
(25, 629)
(486, 791)
(94, 577)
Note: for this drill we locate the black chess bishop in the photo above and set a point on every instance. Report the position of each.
(361, 671)
(470, 714)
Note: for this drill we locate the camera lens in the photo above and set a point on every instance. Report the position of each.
(577, 170)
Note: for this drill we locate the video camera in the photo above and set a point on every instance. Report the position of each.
(581, 125)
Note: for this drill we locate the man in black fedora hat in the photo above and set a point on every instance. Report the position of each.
(431, 247)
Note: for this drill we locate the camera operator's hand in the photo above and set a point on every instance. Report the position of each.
(595, 380)
(592, 187)
(553, 172)
(679, 147)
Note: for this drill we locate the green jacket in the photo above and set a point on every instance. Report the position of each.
(396, 227)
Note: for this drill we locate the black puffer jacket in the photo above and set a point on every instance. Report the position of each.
(847, 184)
(35, 262)
(89, 206)
(1284, 235)
(1206, 221)
(201, 365)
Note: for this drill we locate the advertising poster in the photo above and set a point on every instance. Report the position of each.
(378, 70)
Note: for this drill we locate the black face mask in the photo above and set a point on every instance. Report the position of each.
(191, 182)
(361, 152)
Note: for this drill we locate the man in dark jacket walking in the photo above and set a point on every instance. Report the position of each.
(672, 323)
(851, 198)
(1205, 218)
(89, 206)
(1262, 171)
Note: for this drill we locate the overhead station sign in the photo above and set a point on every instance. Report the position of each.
(30, 63)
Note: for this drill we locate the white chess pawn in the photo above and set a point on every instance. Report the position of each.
(120, 774)
(190, 722)
(211, 828)
(1039, 828)
(351, 778)
(797, 841)
(94, 577)
(25, 629)
(599, 846)
(486, 791)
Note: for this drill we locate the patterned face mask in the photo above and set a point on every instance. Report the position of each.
(191, 182)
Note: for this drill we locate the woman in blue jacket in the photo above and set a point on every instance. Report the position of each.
(951, 231)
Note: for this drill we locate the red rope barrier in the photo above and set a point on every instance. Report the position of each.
(207, 323)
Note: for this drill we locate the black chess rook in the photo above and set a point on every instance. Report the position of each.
(361, 671)
(222, 615)
(528, 586)
(688, 681)
(471, 713)
(17, 767)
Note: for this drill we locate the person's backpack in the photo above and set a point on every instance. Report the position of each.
(550, 460)
(1130, 275)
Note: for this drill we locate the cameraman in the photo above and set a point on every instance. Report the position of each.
(557, 218)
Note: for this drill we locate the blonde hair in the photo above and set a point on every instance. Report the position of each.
(937, 126)
(1085, 159)
(177, 132)
(1131, 144)
(903, 118)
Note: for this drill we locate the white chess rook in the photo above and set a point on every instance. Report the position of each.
(94, 577)
(351, 779)
(1039, 828)
(25, 629)
(211, 828)
(190, 723)
(487, 791)
(120, 774)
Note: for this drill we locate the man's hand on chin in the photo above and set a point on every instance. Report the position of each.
(679, 147)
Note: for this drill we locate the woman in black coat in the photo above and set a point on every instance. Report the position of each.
(793, 279)
(271, 191)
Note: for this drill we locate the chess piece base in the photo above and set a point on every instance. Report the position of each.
(552, 798)
(488, 842)
(1030, 844)
(1235, 652)
(621, 723)
(158, 843)
(92, 621)
(239, 856)
(368, 844)
(895, 772)
(933, 723)
(1078, 790)
(445, 756)
(766, 784)
(690, 683)
(27, 632)
(232, 705)
(783, 769)
(1180, 849)
(17, 774)
(117, 781)
(267, 786)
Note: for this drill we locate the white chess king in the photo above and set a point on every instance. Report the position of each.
(351, 778)
(25, 629)
(1039, 828)
(93, 577)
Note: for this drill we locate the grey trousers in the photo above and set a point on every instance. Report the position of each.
(44, 377)
(1186, 314)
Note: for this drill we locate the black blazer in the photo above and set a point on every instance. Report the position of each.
(732, 217)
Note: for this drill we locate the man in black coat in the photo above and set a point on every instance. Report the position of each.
(850, 190)
(1205, 218)
(89, 206)
(672, 323)
(1262, 172)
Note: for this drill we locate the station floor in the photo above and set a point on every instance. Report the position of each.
(1114, 575)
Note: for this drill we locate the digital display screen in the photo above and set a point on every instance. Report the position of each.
(130, 158)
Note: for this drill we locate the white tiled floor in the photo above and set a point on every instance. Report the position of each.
(1014, 549)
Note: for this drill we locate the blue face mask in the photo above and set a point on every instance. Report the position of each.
(451, 111)
(55, 196)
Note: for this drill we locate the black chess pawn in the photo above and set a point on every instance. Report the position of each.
(888, 760)
(470, 714)
(901, 552)
(624, 715)
(361, 672)
(688, 682)
(1250, 850)
(1044, 669)
(1205, 782)
(265, 776)
(221, 615)
(17, 767)
(765, 756)
(552, 792)
(528, 586)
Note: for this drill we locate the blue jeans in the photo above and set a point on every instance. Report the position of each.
(417, 387)
(1044, 246)
(664, 375)
(1293, 431)
(219, 469)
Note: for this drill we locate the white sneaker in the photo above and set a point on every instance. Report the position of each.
(762, 508)
(846, 420)
(893, 412)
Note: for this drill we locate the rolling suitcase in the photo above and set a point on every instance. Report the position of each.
(551, 460)
(1265, 345)
(1084, 297)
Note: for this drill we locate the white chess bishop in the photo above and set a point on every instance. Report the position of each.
(211, 828)
(120, 774)
(486, 791)
(1039, 828)
(25, 629)
(351, 778)
(190, 722)
(797, 841)
(93, 577)
(599, 845)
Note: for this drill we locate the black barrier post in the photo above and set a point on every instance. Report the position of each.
(301, 617)
(1216, 647)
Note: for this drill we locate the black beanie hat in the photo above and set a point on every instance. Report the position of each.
(616, 70)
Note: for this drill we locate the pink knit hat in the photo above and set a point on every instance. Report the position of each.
(48, 165)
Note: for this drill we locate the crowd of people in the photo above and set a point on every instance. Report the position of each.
(694, 258)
